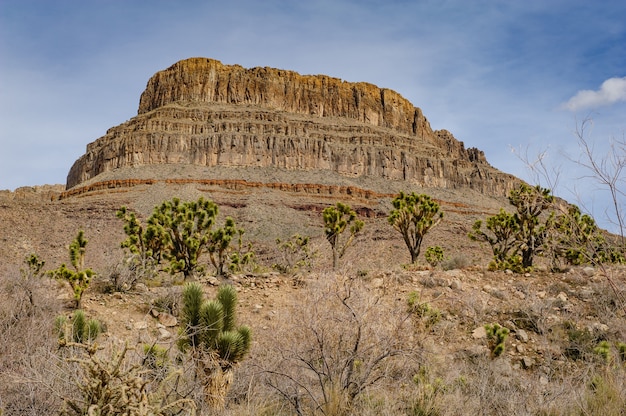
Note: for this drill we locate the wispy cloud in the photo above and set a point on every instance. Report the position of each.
(611, 91)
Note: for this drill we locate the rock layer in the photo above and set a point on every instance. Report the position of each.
(201, 112)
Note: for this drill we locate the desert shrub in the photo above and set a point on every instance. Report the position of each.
(605, 395)
(338, 343)
(28, 358)
(124, 276)
(109, 386)
(434, 255)
(579, 343)
(424, 313)
(169, 301)
(156, 360)
(429, 394)
(295, 254)
(456, 262)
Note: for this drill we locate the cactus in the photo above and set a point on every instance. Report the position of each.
(496, 338)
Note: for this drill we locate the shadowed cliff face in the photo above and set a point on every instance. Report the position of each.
(204, 113)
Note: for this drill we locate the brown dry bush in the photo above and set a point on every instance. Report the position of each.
(338, 346)
(29, 366)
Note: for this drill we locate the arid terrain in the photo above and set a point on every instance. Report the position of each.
(378, 335)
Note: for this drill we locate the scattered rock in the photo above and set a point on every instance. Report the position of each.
(528, 363)
(164, 334)
(377, 282)
(167, 319)
(522, 335)
(562, 297)
(140, 325)
(479, 333)
(589, 271)
(456, 285)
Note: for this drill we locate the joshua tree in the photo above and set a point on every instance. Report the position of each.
(496, 338)
(209, 330)
(336, 220)
(80, 277)
(413, 216)
(530, 202)
(502, 239)
(180, 233)
(183, 230)
(517, 238)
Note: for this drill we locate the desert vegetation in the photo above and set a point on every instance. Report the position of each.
(540, 330)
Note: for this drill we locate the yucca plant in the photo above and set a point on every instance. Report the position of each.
(209, 329)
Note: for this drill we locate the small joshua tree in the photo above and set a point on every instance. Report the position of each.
(219, 243)
(496, 339)
(209, 330)
(413, 216)
(503, 229)
(434, 255)
(336, 220)
(30, 275)
(79, 277)
(295, 253)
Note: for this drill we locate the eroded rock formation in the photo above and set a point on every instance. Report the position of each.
(202, 112)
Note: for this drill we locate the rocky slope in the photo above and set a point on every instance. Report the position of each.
(201, 112)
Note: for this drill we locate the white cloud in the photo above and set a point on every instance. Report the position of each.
(611, 91)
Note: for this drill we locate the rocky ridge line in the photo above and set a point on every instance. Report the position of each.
(202, 112)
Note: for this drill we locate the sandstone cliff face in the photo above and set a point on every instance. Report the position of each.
(204, 113)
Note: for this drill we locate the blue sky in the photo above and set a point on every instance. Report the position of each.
(498, 74)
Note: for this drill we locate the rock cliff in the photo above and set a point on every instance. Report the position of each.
(202, 112)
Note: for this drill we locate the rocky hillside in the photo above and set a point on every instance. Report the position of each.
(203, 113)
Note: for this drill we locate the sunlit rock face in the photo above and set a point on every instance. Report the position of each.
(204, 113)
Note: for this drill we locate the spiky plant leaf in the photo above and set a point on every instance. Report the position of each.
(227, 296)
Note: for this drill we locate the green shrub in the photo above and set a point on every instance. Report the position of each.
(434, 255)
(496, 339)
